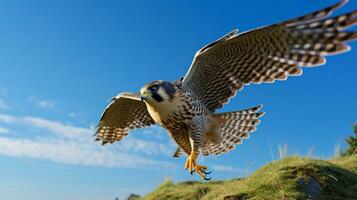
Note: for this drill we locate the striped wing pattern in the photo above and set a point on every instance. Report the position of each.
(267, 54)
(124, 113)
(237, 127)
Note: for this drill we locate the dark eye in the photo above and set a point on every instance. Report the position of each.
(153, 88)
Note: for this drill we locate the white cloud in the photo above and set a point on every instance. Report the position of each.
(155, 132)
(72, 114)
(4, 105)
(61, 130)
(147, 147)
(4, 130)
(73, 153)
(226, 168)
(74, 145)
(47, 104)
(7, 119)
(54, 127)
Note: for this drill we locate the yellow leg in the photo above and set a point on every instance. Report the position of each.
(190, 162)
(192, 166)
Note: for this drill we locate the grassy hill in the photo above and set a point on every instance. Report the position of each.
(289, 178)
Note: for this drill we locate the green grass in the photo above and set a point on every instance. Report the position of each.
(289, 178)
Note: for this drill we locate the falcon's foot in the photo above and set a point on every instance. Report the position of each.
(192, 166)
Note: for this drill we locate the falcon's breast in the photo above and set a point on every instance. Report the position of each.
(172, 111)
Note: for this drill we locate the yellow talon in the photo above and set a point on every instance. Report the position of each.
(192, 166)
(200, 168)
(201, 171)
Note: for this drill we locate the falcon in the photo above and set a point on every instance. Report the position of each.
(186, 108)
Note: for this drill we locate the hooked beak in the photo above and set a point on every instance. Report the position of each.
(144, 95)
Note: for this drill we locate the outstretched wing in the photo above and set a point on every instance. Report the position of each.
(124, 113)
(267, 54)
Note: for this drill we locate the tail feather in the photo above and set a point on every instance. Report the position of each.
(235, 127)
(179, 151)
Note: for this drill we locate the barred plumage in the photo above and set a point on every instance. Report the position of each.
(186, 108)
(236, 127)
(124, 113)
(267, 54)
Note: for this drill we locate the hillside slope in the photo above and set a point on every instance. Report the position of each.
(289, 178)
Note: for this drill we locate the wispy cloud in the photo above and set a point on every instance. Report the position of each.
(7, 119)
(74, 145)
(78, 117)
(46, 104)
(58, 128)
(4, 105)
(232, 169)
(72, 115)
(226, 168)
(4, 130)
(146, 147)
(66, 152)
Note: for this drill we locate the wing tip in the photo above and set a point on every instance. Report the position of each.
(319, 14)
(259, 107)
(261, 114)
(341, 3)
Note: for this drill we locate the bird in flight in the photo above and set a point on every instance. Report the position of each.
(186, 108)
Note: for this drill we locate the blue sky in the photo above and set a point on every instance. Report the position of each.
(61, 61)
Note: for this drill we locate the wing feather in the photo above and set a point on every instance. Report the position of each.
(267, 54)
(124, 113)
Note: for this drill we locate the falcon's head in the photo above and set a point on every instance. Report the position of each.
(158, 92)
